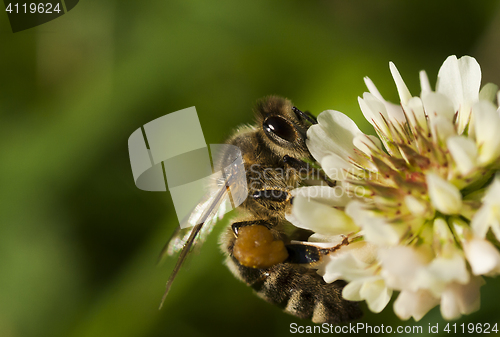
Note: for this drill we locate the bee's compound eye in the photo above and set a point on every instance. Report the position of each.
(280, 127)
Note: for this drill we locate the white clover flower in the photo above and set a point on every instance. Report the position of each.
(418, 202)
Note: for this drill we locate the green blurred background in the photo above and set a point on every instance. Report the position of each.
(78, 240)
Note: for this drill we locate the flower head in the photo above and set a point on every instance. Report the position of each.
(418, 201)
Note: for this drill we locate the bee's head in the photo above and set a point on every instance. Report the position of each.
(282, 126)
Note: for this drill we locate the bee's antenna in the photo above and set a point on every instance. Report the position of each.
(306, 115)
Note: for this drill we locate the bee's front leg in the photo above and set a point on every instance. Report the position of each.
(306, 115)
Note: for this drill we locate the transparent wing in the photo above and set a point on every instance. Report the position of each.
(210, 212)
(181, 234)
(228, 190)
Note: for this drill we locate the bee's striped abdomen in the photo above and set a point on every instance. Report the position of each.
(299, 291)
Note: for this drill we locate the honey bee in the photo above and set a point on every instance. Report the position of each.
(260, 245)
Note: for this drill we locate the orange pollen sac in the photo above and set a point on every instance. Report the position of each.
(255, 247)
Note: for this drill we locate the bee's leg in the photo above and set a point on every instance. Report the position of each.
(303, 167)
(305, 115)
(303, 254)
(255, 246)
